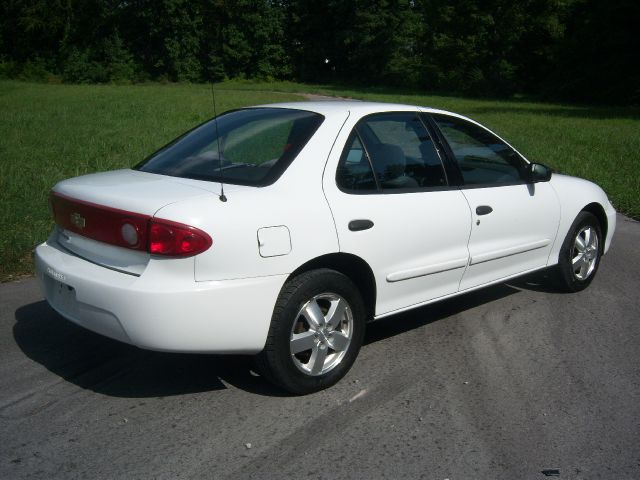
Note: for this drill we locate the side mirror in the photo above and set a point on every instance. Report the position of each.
(538, 173)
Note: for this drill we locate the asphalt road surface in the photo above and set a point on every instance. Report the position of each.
(500, 383)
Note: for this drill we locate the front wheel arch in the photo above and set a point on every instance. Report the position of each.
(598, 211)
(566, 277)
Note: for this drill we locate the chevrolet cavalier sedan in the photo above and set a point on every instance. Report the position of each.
(281, 230)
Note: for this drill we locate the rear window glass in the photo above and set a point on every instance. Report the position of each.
(255, 146)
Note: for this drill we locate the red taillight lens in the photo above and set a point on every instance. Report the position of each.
(101, 223)
(176, 239)
(128, 229)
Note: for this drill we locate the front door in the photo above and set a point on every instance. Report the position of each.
(514, 222)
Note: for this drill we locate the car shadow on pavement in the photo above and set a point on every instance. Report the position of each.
(540, 281)
(419, 317)
(112, 368)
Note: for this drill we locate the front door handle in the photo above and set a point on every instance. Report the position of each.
(357, 225)
(483, 210)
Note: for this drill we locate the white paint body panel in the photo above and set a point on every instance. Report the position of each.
(116, 189)
(274, 241)
(417, 247)
(110, 256)
(573, 195)
(516, 236)
(295, 200)
(163, 309)
(423, 246)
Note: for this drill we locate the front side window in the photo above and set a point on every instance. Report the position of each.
(255, 146)
(390, 151)
(481, 156)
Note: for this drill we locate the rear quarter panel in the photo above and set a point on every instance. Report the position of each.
(295, 201)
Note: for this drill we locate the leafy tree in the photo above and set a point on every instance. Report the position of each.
(583, 50)
(598, 58)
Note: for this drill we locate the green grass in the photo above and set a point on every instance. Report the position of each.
(51, 132)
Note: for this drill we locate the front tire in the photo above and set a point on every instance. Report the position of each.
(316, 332)
(580, 253)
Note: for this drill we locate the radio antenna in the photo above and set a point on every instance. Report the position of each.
(222, 197)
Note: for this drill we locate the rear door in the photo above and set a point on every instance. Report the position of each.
(393, 207)
(514, 222)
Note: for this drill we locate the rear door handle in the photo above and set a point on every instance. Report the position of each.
(357, 225)
(483, 210)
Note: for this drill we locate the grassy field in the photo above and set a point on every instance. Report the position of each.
(51, 132)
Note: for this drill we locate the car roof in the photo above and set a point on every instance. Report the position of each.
(328, 107)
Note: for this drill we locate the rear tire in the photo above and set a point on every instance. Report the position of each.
(316, 332)
(580, 254)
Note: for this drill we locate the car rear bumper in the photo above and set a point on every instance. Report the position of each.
(163, 309)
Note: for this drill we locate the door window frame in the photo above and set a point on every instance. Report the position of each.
(443, 156)
(457, 176)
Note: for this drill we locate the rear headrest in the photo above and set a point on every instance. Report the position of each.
(388, 161)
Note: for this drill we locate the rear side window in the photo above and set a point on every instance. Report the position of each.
(256, 146)
(481, 156)
(354, 171)
(390, 151)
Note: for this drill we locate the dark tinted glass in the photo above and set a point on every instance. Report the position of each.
(482, 157)
(256, 145)
(399, 149)
(354, 171)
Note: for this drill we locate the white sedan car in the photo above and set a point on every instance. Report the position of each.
(281, 230)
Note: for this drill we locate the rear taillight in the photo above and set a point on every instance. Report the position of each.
(101, 223)
(176, 239)
(127, 229)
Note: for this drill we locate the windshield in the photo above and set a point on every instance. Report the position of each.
(256, 146)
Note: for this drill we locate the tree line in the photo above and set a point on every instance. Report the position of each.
(579, 50)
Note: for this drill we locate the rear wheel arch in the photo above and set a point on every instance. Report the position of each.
(316, 331)
(352, 266)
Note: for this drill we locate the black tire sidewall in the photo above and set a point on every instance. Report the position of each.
(283, 370)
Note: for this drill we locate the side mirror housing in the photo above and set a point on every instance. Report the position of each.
(539, 173)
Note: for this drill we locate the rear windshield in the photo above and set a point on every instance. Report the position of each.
(255, 146)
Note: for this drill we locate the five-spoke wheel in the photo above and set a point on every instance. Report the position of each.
(580, 253)
(584, 255)
(321, 333)
(316, 332)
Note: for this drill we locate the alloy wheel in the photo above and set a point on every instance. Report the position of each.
(321, 334)
(585, 251)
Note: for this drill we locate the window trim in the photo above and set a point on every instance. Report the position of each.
(366, 152)
(452, 159)
(379, 190)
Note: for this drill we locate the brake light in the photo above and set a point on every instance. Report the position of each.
(176, 239)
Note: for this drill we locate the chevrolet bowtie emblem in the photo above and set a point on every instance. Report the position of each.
(77, 220)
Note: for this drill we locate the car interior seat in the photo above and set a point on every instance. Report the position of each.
(389, 163)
